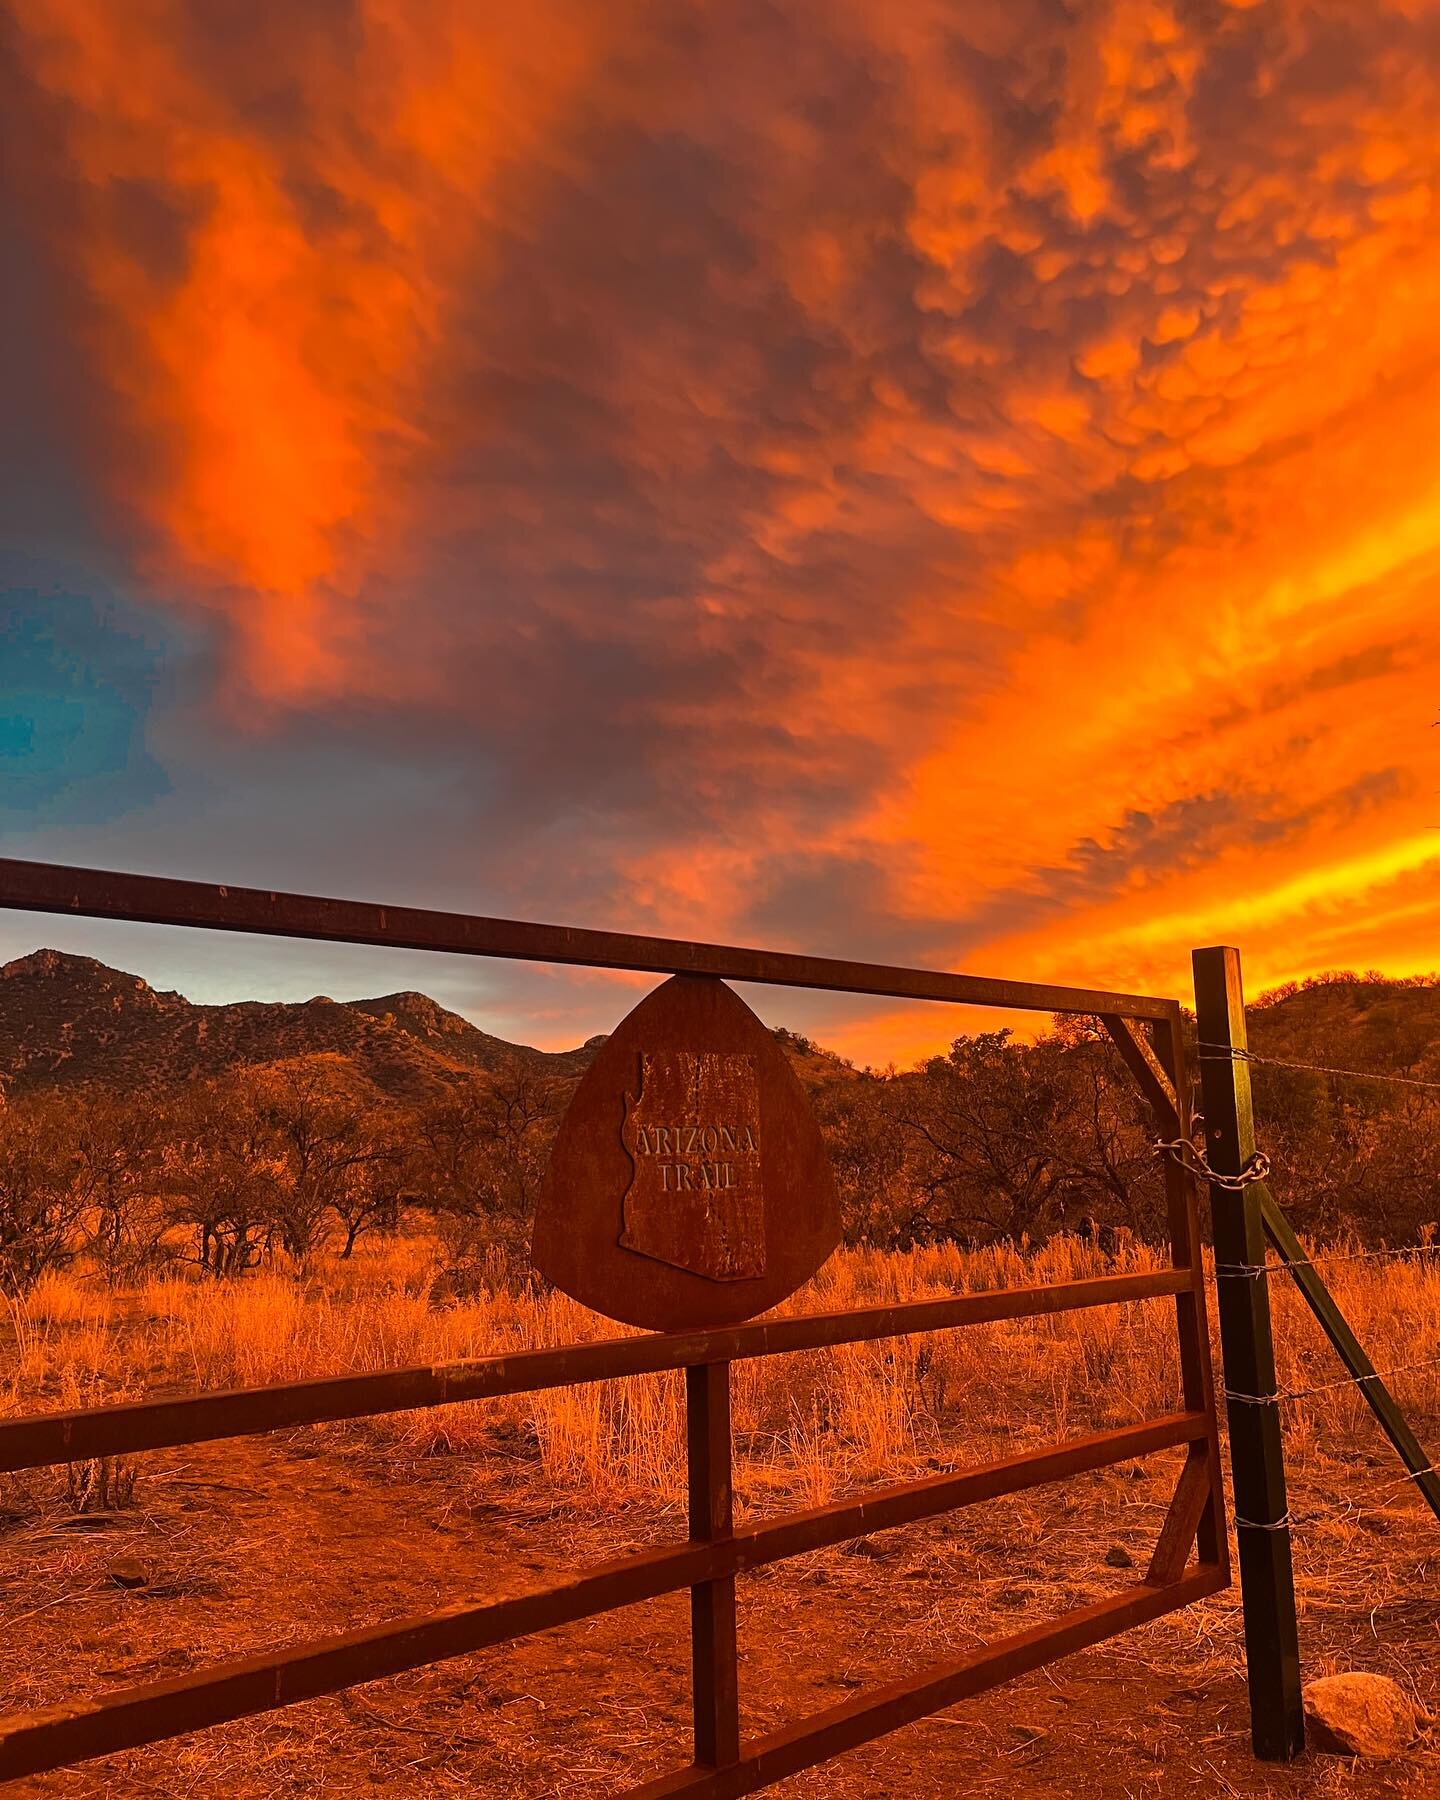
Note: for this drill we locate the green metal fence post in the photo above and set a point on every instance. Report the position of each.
(1257, 1459)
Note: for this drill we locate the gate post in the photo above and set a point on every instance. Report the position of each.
(1257, 1457)
(713, 1655)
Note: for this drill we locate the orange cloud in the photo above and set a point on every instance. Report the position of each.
(949, 483)
(322, 180)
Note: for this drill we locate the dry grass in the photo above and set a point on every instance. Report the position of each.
(809, 1423)
(256, 1540)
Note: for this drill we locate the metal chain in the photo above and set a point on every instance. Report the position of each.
(1191, 1156)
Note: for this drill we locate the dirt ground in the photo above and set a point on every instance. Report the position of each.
(245, 1544)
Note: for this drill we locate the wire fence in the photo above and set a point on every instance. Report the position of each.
(1308, 1518)
(1228, 1053)
(1409, 1253)
(1350, 1509)
(1376, 1497)
(1282, 1395)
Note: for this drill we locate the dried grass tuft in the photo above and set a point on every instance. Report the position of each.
(809, 1423)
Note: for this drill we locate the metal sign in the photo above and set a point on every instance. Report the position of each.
(689, 1185)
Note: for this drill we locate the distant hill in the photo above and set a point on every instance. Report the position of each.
(815, 1066)
(69, 1020)
(1349, 1021)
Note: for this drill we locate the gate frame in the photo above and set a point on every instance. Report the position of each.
(1147, 1032)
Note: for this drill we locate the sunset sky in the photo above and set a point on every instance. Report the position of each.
(944, 483)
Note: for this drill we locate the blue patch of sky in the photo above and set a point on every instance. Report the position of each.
(78, 679)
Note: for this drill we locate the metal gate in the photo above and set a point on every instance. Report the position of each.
(1145, 1029)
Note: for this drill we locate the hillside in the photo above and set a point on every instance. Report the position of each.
(70, 1020)
(1353, 1022)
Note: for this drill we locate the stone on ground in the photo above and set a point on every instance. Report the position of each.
(1360, 1715)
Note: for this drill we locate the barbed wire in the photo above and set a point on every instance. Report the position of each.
(1351, 1509)
(1262, 1271)
(1410, 1475)
(1348, 1508)
(1256, 1168)
(1282, 1395)
(1229, 1053)
(1284, 1523)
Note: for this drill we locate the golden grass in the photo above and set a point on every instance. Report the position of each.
(808, 1424)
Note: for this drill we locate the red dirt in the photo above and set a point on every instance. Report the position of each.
(247, 1544)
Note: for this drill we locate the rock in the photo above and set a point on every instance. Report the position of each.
(1118, 1557)
(1360, 1715)
(872, 1547)
(129, 1572)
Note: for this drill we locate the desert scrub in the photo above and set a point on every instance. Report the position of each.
(813, 1422)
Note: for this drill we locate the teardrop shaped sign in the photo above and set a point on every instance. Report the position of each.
(689, 1185)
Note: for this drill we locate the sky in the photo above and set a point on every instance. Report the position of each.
(946, 484)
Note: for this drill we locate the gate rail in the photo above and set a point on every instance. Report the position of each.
(81, 1729)
(716, 1551)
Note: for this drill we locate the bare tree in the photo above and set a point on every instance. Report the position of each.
(988, 1118)
(225, 1172)
(367, 1197)
(42, 1198)
(323, 1138)
(479, 1156)
(118, 1145)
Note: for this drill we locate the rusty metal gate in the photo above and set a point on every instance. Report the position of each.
(1146, 1031)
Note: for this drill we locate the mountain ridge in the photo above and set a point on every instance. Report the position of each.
(70, 1020)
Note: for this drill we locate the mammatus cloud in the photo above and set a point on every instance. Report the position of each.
(954, 483)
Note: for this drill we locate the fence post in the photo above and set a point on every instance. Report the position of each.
(1257, 1457)
(713, 1652)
